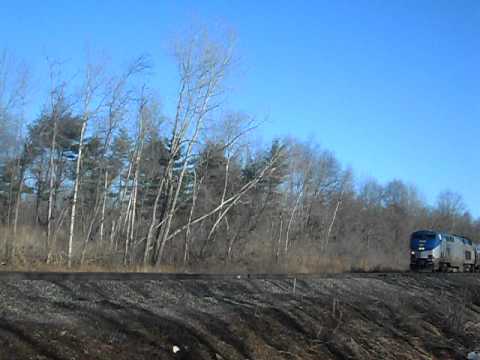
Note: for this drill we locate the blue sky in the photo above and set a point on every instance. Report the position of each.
(392, 87)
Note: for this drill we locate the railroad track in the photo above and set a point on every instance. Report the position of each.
(144, 276)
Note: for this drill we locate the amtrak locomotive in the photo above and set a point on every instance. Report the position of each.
(438, 251)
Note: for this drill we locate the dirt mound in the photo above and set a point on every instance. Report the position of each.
(393, 317)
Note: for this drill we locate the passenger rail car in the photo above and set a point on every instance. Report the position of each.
(436, 251)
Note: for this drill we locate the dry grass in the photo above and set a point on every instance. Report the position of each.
(31, 255)
(318, 264)
(304, 263)
(44, 267)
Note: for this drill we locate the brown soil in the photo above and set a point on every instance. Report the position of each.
(392, 317)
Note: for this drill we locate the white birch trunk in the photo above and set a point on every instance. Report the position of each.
(75, 194)
(104, 203)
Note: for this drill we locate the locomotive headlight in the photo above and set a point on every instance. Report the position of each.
(412, 252)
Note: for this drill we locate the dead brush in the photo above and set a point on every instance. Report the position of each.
(472, 295)
(304, 263)
(326, 335)
(30, 254)
(453, 314)
(334, 319)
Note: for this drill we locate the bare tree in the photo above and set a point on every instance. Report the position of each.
(13, 95)
(91, 104)
(58, 105)
(450, 206)
(203, 66)
(117, 94)
(142, 128)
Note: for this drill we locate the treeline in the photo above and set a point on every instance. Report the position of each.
(103, 176)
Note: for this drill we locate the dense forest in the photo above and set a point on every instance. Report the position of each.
(104, 176)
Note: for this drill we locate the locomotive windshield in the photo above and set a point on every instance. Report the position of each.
(424, 235)
(424, 240)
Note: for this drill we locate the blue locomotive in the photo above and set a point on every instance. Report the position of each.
(437, 251)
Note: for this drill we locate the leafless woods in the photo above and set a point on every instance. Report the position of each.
(103, 176)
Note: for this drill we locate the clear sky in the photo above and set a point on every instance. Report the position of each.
(392, 87)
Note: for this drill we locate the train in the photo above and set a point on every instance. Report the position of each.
(444, 252)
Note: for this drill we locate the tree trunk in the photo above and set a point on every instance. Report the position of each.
(51, 189)
(17, 203)
(153, 224)
(75, 195)
(289, 226)
(330, 227)
(104, 202)
(186, 252)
